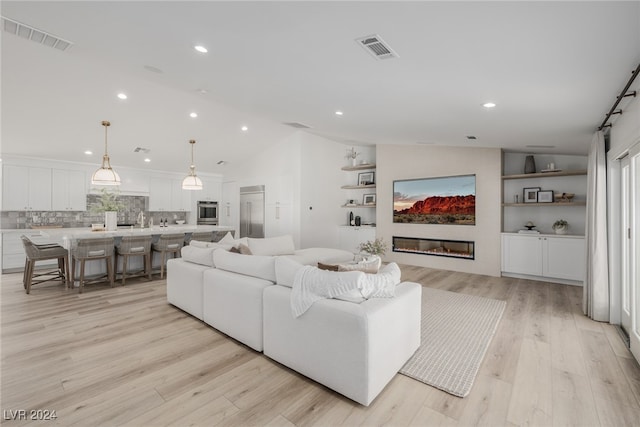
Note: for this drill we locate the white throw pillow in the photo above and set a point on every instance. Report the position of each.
(286, 270)
(383, 284)
(229, 240)
(281, 245)
(262, 267)
(196, 255)
(369, 265)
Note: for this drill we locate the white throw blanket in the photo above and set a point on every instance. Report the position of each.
(312, 284)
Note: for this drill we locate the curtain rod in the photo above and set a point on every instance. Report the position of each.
(623, 94)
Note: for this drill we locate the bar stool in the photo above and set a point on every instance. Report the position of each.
(133, 246)
(168, 244)
(93, 249)
(203, 236)
(36, 253)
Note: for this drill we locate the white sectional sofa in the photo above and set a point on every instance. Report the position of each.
(352, 348)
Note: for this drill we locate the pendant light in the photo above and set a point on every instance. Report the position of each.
(105, 175)
(191, 181)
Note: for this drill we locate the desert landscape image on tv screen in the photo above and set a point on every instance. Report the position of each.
(442, 200)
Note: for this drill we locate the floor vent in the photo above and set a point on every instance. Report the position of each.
(297, 125)
(26, 32)
(376, 47)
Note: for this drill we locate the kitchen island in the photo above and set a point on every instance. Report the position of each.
(13, 256)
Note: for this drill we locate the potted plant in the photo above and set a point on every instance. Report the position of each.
(108, 203)
(560, 226)
(375, 247)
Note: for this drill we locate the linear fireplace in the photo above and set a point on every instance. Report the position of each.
(436, 247)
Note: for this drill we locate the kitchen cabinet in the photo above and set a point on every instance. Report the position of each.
(211, 190)
(544, 256)
(26, 188)
(167, 195)
(68, 190)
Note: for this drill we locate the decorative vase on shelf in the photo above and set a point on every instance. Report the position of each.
(561, 230)
(529, 165)
(111, 220)
(354, 162)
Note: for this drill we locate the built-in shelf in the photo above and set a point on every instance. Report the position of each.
(530, 205)
(359, 167)
(358, 206)
(545, 174)
(358, 187)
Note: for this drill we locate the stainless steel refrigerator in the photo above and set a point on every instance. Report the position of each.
(252, 211)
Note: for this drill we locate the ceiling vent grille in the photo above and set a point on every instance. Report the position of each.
(34, 34)
(297, 125)
(376, 47)
(141, 150)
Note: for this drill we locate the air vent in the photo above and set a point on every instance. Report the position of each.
(141, 150)
(297, 125)
(39, 36)
(222, 162)
(376, 47)
(471, 137)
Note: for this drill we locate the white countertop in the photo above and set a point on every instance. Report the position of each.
(85, 232)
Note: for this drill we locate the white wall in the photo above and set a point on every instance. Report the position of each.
(407, 162)
(321, 195)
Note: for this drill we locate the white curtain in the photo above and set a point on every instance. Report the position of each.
(595, 301)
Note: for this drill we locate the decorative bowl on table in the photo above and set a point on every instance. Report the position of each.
(180, 221)
(97, 227)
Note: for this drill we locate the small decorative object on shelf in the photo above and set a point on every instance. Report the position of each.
(560, 226)
(564, 197)
(366, 178)
(529, 165)
(352, 154)
(529, 229)
(545, 196)
(375, 247)
(530, 195)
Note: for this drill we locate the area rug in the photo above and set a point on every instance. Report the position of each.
(456, 332)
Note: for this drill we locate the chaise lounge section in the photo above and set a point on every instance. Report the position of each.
(352, 348)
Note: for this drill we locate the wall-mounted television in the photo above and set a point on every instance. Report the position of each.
(441, 200)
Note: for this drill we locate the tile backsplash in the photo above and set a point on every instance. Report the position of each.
(71, 219)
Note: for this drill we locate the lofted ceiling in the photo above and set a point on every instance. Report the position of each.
(552, 68)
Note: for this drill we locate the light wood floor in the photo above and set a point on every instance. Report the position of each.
(123, 356)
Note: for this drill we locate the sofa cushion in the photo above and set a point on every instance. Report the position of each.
(197, 255)
(229, 240)
(262, 267)
(312, 256)
(281, 245)
(368, 265)
(215, 245)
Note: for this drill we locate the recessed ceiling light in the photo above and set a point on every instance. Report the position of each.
(202, 91)
(489, 105)
(193, 115)
(147, 160)
(201, 49)
(339, 113)
(244, 128)
(88, 152)
(122, 95)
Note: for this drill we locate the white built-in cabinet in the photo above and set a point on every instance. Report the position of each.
(544, 256)
(211, 190)
(350, 238)
(229, 206)
(26, 188)
(68, 190)
(167, 195)
(278, 206)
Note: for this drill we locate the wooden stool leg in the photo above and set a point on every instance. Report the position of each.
(125, 258)
(110, 272)
(24, 274)
(162, 261)
(81, 275)
(29, 275)
(147, 264)
(73, 272)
